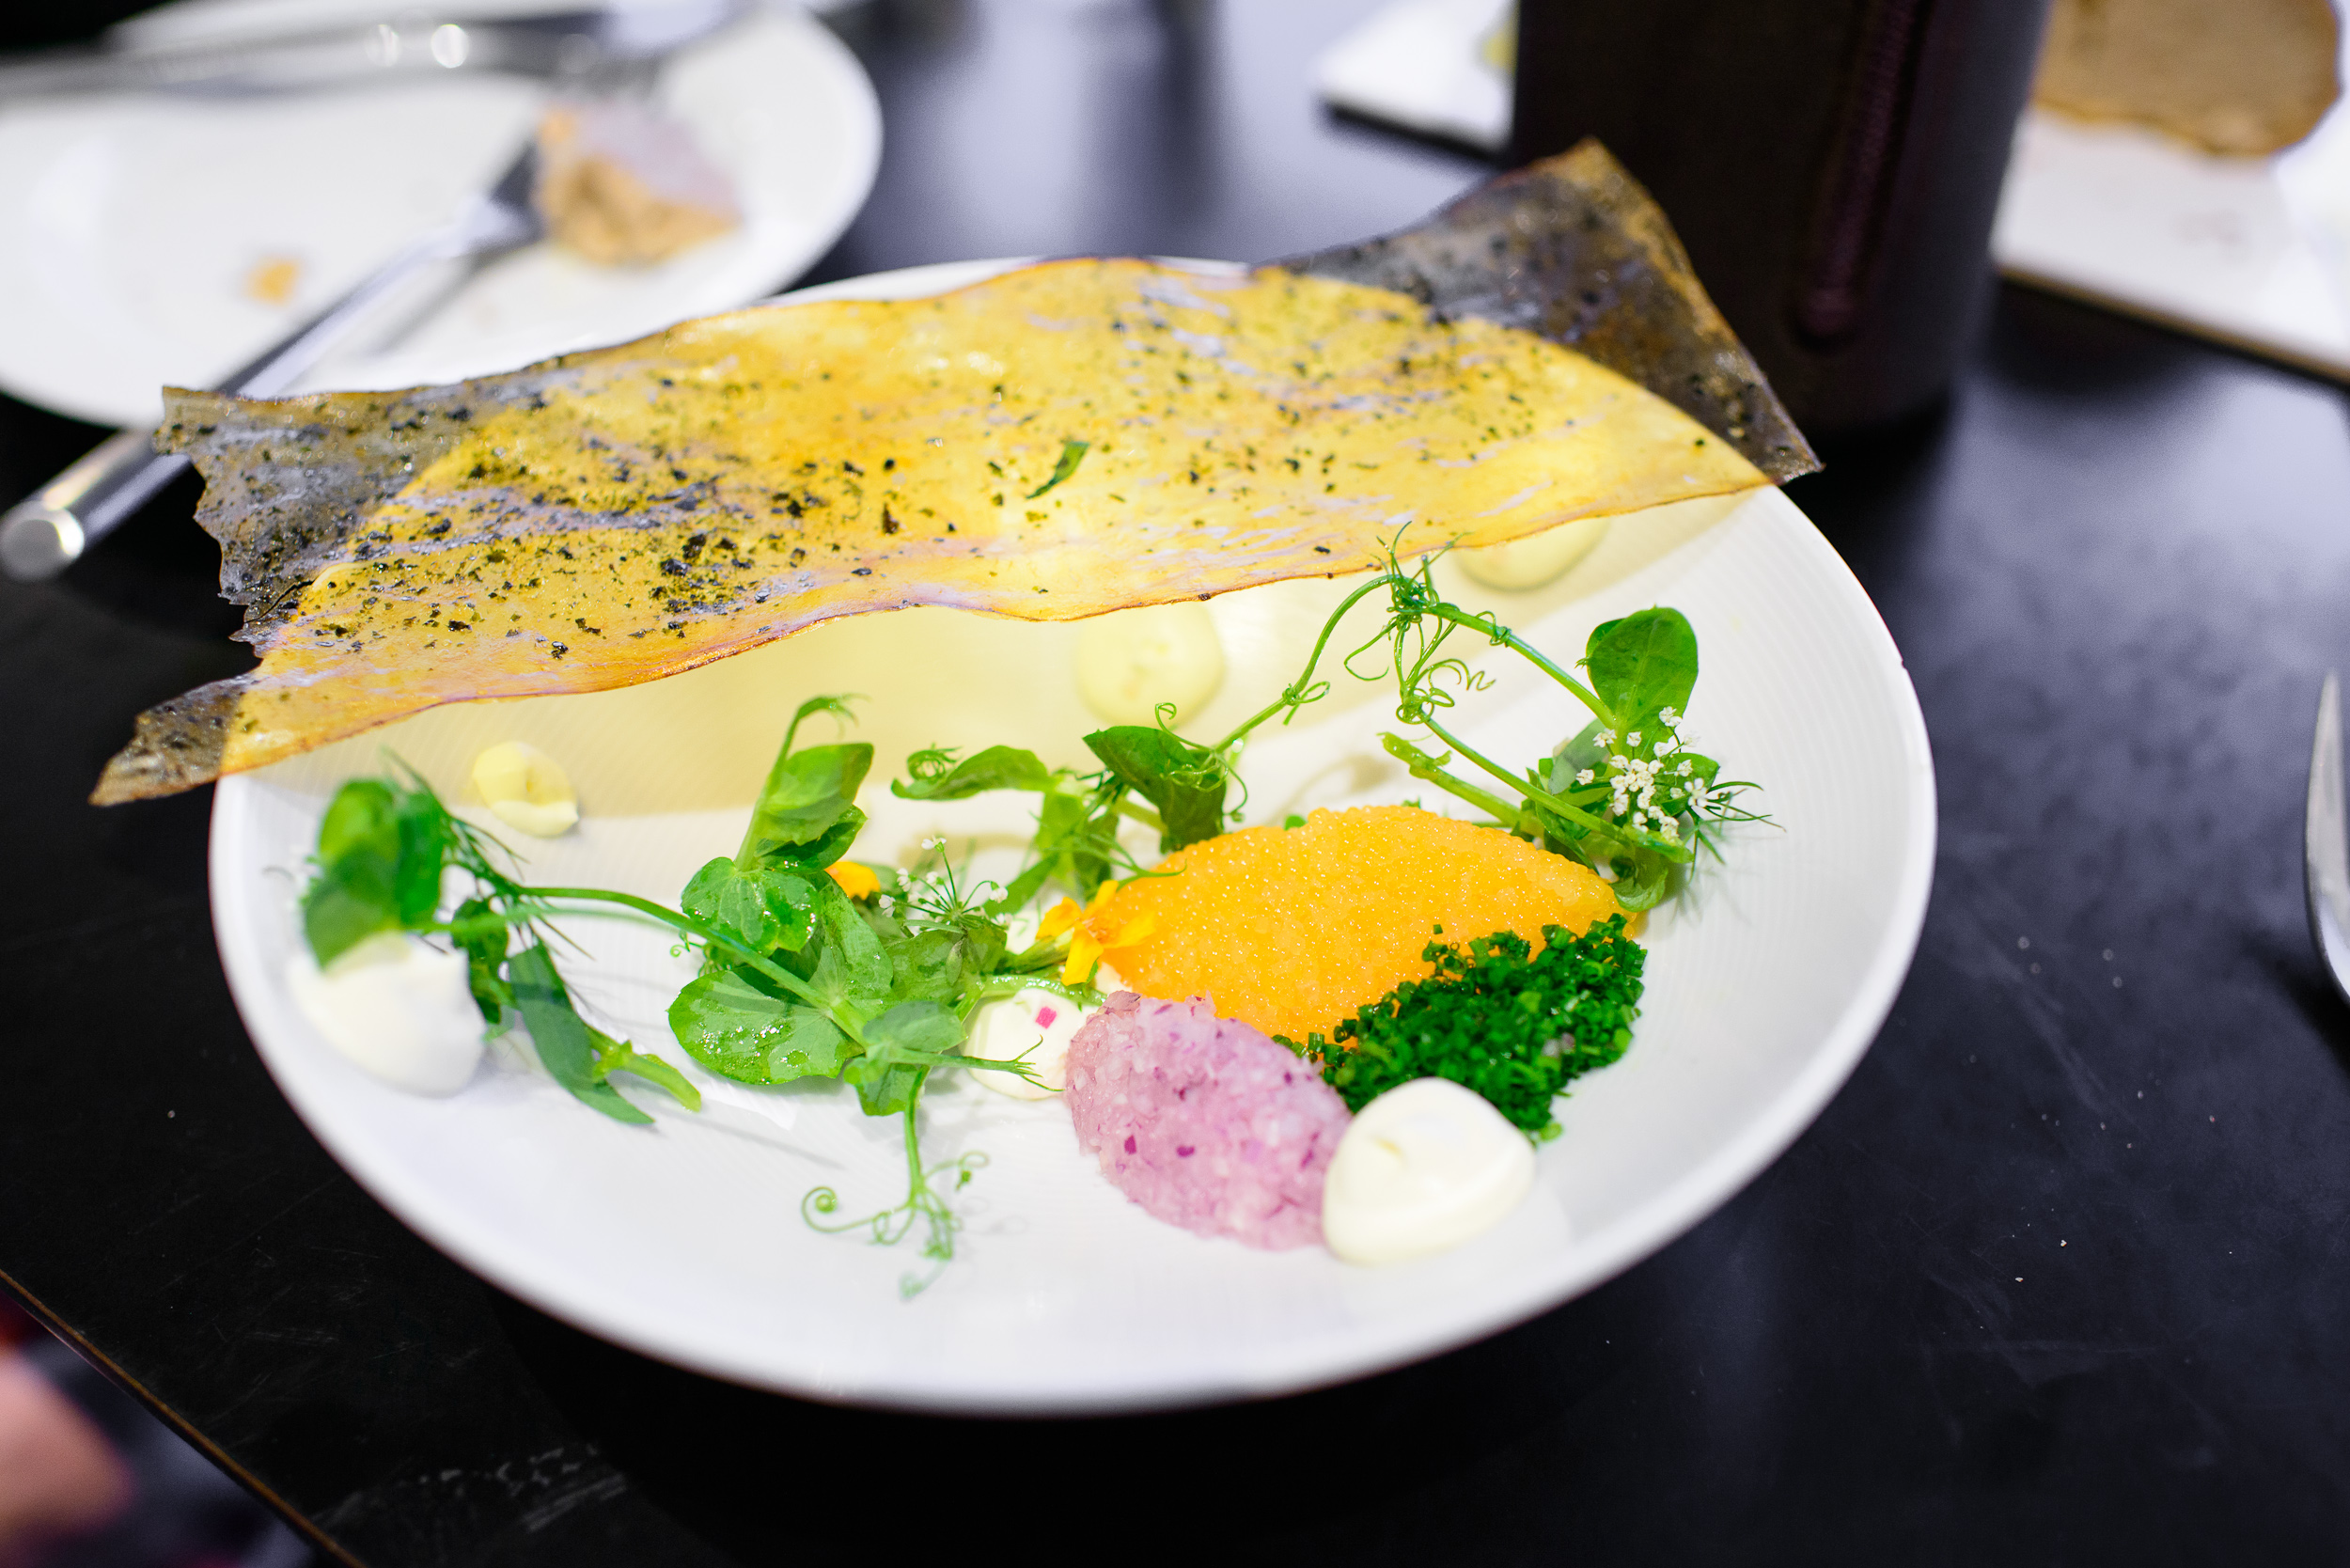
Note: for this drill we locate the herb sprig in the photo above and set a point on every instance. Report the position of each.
(799, 979)
(873, 989)
(1623, 796)
(384, 848)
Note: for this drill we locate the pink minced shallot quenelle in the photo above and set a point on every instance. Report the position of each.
(1203, 1121)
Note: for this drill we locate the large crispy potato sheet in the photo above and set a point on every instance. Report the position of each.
(619, 516)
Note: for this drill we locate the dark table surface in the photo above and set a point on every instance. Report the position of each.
(2060, 1276)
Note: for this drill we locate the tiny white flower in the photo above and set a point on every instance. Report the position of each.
(1633, 739)
(1584, 777)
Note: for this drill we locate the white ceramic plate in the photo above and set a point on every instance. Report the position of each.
(137, 222)
(684, 1239)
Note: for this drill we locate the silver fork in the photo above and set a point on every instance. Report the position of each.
(2326, 842)
(43, 534)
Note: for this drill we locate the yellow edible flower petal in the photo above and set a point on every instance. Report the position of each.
(856, 881)
(1132, 932)
(1085, 951)
(1087, 947)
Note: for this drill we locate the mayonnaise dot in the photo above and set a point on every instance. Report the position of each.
(528, 788)
(1530, 562)
(400, 1009)
(1131, 662)
(1421, 1169)
(1038, 1022)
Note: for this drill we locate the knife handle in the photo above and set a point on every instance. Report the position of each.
(41, 535)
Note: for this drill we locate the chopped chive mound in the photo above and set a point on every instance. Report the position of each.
(1511, 1025)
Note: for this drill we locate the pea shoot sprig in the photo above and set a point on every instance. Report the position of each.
(805, 972)
(1624, 796)
(384, 848)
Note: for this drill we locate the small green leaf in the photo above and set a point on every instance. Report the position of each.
(381, 854)
(883, 1089)
(1185, 781)
(355, 894)
(560, 1036)
(923, 1026)
(806, 813)
(936, 774)
(733, 1023)
(362, 819)
(1579, 751)
(765, 908)
(1642, 880)
(482, 935)
(425, 838)
(936, 965)
(1076, 838)
(899, 1047)
(853, 970)
(1642, 664)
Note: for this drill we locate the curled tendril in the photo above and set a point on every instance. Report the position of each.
(889, 1225)
(1293, 697)
(932, 763)
(924, 1204)
(1381, 640)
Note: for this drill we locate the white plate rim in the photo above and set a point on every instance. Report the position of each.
(1662, 1218)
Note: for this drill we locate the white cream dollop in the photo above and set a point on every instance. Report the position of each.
(398, 1008)
(1422, 1168)
(528, 788)
(1131, 662)
(1539, 558)
(1038, 1022)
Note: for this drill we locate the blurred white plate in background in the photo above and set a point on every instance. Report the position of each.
(137, 222)
(2236, 249)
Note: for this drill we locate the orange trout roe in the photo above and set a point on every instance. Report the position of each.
(1293, 929)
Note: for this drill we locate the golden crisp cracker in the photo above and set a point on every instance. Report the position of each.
(1058, 442)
